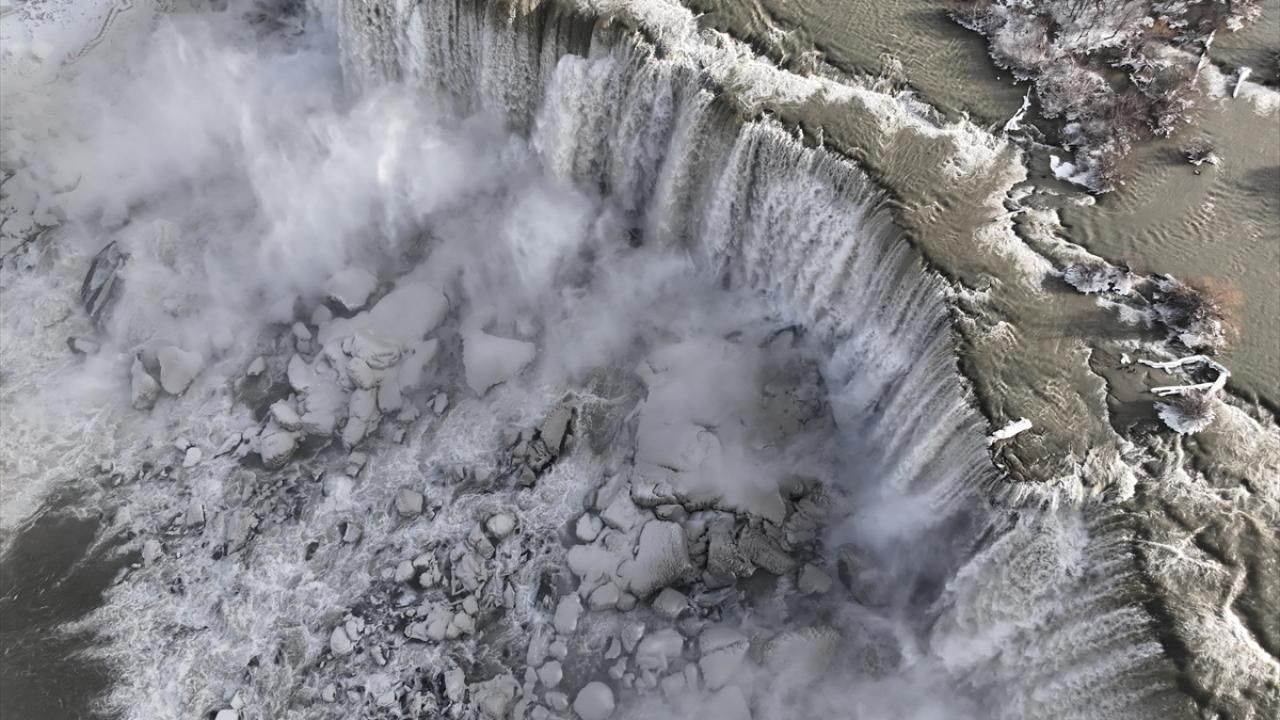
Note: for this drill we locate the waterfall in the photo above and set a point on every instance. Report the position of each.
(1041, 614)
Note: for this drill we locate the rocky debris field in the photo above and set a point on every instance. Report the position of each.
(648, 544)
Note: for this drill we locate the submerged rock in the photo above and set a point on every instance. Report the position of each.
(409, 502)
(339, 643)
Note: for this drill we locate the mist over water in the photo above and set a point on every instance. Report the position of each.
(733, 317)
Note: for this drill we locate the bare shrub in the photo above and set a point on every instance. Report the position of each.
(971, 14)
(1173, 95)
(1204, 314)
(1200, 151)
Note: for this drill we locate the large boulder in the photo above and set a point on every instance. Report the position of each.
(489, 360)
(102, 285)
(351, 288)
(594, 702)
(178, 368)
(661, 558)
(143, 388)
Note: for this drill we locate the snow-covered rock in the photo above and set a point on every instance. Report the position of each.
(257, 367)
(489, 360)
(588, 527)
(670, 603)
(351, 287)
(723, 652)
(143, 389)
(501, 525)
(339, 643)
(409, 502)
(178, 368)
(661, 558)
(276, 447)
(659, 649)
(568, 610)
(594, 702)
(550, 674)
(410, 311)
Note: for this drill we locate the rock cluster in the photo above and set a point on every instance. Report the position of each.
(361, 369)
(638, 596)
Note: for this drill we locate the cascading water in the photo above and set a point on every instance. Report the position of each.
(808, 229)
(663, 248)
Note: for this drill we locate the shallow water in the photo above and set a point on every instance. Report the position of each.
(1207, 222)
(911, 42)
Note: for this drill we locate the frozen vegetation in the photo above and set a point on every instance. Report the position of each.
(1111, 72)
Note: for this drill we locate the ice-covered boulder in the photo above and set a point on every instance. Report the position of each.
(143, 388)
(178, 368)
(658, 650)
(594, 702)
(813, 580)
(661, 558)
(410, 311)
(550, 674)
(670, 603)
(723, 652)
(501, 525)
(409, 502)
(276, 446)
(340, 643)
(351, 287)
(489, 360)
(568, 611)
(493, 697)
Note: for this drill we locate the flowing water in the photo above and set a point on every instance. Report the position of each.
(606, 181)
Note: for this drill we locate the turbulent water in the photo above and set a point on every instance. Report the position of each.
(536, 350)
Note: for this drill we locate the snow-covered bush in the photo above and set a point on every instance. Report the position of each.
(1200, 151)
(1187, 414)
(1097, 276)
